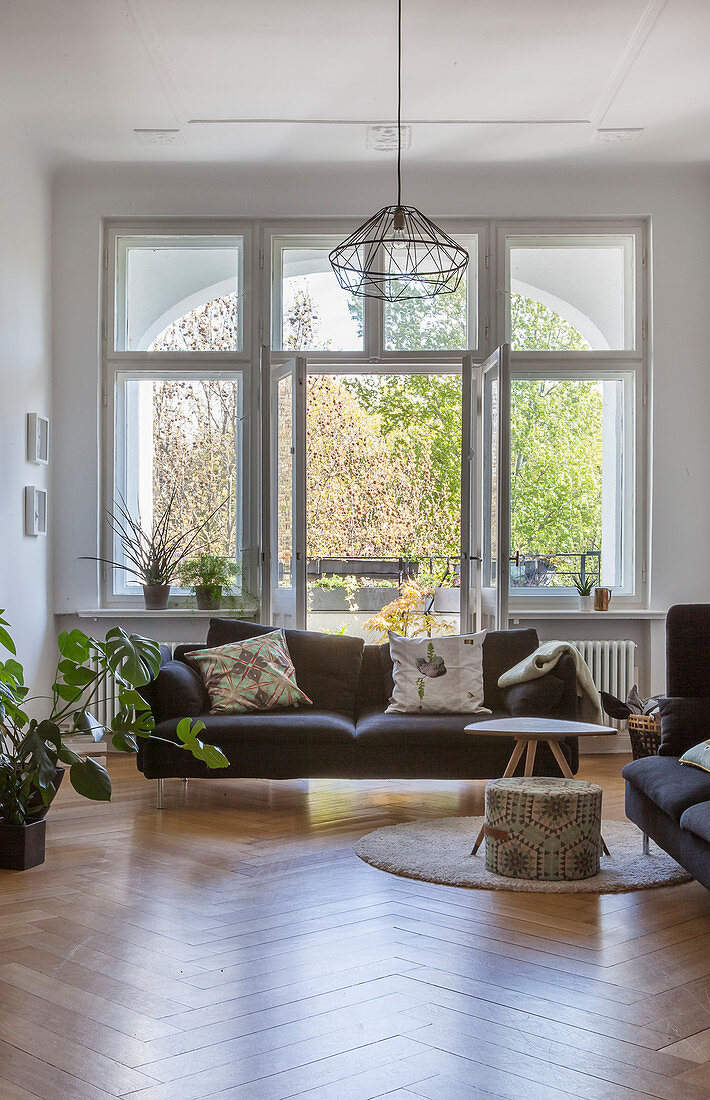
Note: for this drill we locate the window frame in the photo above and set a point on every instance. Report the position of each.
(117, 579)
(628, 518)
(593, 228)
(258, 320)
(242, 362)
(294, 234)
(635, 361)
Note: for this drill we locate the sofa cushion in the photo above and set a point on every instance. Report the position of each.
(254, 675)
(427, 731)
(698, 756)
(327, 666)
(437, 675)
(684, 720)
(501, 650)
(696, 819)
(535, 699)
(666, 782)
(273, 727)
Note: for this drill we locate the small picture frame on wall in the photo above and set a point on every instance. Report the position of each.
(37, 439)
(35, 511)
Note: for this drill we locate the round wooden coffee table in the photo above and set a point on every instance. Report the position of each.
(527, 733)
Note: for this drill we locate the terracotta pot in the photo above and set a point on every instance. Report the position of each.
(208, 596)
(22, 846)
(156, 596)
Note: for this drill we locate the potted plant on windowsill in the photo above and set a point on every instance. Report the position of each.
(584, 586)
(208, 575)
(32, 749)
(154, 557)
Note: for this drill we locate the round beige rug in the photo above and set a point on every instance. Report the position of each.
(440, 851)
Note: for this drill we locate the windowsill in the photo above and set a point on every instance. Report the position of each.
(168, 613)
(575, 613)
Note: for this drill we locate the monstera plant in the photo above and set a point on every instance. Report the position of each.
(33, 749)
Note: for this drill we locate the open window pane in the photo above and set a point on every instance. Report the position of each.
(383, 497)
(315, 314)
(570, 293)
(436, 324)
(179, 293)
(569, 477)
(178, 439)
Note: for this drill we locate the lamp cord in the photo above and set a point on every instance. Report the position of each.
(399, 104)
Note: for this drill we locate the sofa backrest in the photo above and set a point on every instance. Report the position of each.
(501, 650)
(688, 650)
(327, 666)
(342, 674)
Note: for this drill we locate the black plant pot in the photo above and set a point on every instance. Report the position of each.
(208, 596)
(156, 596)
(22, 846)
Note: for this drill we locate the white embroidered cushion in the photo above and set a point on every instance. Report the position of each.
(437, 675)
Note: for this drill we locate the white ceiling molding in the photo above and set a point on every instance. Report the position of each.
(633, 48)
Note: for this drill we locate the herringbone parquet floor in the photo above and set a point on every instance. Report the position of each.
(233, 946)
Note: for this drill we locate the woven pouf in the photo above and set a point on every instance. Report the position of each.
(541, 828)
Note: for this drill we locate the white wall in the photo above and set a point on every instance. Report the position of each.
(677, 199)
(25, 386)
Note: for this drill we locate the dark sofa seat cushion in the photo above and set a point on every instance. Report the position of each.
(274, 727)
(684, 722)
(427, 731)
(696, 819)
(668, 784)
(327, 666)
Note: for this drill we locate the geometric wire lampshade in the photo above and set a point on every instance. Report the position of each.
(398, 254)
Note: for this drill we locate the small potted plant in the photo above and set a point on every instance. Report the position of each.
(584, 586)
(154, 556)
(32, 749)
(208, 575)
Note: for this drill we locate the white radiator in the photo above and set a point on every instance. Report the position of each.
(612, 665)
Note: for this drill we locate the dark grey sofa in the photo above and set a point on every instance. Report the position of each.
(670, 801)
(346, 734)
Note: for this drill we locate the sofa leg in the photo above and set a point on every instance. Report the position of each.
(644, 844)
(160, 795)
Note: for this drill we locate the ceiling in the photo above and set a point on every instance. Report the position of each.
(251, 81)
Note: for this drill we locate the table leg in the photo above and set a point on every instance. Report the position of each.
(509, 769)
(561, 759)
(567, 773)
(530, 758)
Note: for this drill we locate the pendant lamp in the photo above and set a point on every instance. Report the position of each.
(399, 253)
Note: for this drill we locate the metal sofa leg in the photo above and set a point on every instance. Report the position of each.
(645, 844)
(160, 795)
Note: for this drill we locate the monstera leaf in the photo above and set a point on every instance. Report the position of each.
(90, 780)
(132, 658)
(210, 754)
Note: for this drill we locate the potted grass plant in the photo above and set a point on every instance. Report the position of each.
(152, 556)
(208, 575)
(33, 750)
(584, 586)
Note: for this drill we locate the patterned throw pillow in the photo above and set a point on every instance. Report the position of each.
(437, 675)
(257, 674)
(698, 756)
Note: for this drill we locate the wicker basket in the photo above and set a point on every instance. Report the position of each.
(645, 734)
